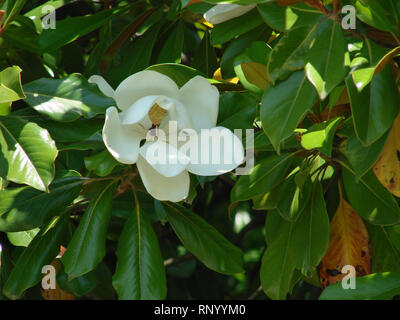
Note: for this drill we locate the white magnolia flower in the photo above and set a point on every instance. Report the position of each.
(225, 11)
(149, 100)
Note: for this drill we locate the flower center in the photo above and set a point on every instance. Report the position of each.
(157, 114)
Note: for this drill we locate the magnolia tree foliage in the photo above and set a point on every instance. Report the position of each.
(99, 201)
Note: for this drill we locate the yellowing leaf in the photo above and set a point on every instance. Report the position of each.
(256, 73)
(387, 168)
(348, 245)
(218, 76)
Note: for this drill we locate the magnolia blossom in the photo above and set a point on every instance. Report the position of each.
(225, 11)
(168, 131)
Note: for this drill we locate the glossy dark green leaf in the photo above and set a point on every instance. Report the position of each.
(299, 244)
(362, 158)
(385, 254)
(88, 245)
(376, 286)
(140, 272)
(266, 174)
(232, 28)
(285, 18)
(78, 286)
(101, 163)
(376, 106)
(239, 45)
(70, 29)
(237, 110)
(292, 198)
(26, 208)
(290, 53)
(137, 56)
(28, 153)
(41, 251)
(377, 14)
(326, 65)
(177, 72)
(66, 99)
(205, 59)
(172, 49)
(370, 199)
(284, 105)
(204, 241)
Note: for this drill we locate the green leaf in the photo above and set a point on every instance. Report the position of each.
(78, 286)
(326, 65)
(320, 136)
(205, 59)
(177, 72)
(284, 105)
(41, 251)
(232, 28)
(140, 272)
(172, 49)
(251, 67)
(237, 110)
(204, 241)
(265, 175)
(376, 106)
(238, 46)
(376, 286)
(28, 153)
(26, 208)
(292, 198)
(370, 199)
(101, 163)
(22, 238)
(10, 85)
(137, 56)
(377, 14)
(70, 29)
(88, 244)
(12, 9)
(297, 245)
(66, 99)
(362, 158)
(385, 256)
(285, 18)
(290, 53)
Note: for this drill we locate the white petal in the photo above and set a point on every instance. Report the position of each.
(226, 11)
(162, 188)
(138, 112)
(164, 158)
(122, 141)
(142, 84)
(103, 85)
(201, 100)
(213, 152)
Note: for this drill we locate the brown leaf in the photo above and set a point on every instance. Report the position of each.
(57, 293)
(348, 245)
(387, 168)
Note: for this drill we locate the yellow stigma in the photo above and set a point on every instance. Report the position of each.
(157, 114)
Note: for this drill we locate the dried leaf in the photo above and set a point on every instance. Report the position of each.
(348, 245)
(57, 293)
(387, 168)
